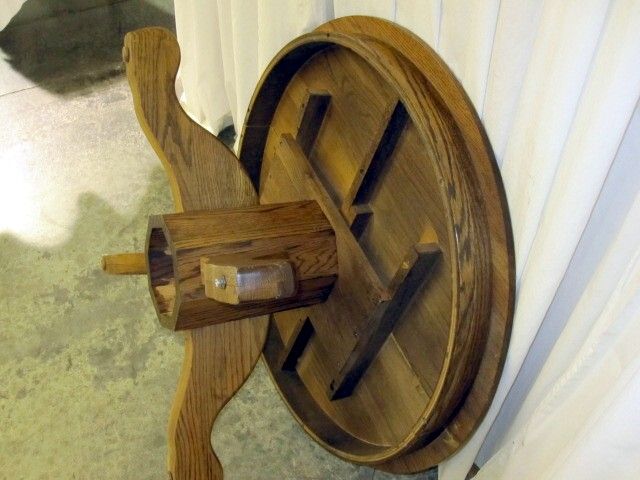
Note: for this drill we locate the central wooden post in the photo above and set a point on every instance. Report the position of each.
(216, 266)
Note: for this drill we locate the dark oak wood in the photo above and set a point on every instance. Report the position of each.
(177, 244)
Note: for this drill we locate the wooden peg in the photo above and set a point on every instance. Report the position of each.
(125, 264)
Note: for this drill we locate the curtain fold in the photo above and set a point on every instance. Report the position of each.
(557, 85)
(582, 400)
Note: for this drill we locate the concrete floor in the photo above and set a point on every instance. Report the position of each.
(87, 373)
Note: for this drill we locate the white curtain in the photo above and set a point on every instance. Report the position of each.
(557, 84)
(8, 8)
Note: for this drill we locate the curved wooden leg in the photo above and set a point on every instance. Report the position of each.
(218, 359)
(204, 175)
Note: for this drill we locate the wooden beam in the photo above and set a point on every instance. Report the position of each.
(313, 113)
(304, 177)
(358, 217)
(387, 301)
(370, 172)
(297, 343)
(408, 279)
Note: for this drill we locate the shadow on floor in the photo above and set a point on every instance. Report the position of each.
(85, 45)
(88, 373)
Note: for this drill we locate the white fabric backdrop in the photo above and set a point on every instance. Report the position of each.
(8, 8)
(557, 84)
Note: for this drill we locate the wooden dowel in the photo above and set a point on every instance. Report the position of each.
(125, 264)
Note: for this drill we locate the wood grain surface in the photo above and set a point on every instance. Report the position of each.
(204, 175)
(365, 119)
(397, 368)
(297, 232)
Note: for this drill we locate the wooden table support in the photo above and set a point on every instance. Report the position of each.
(299, 340)
(313, 113)
(378, 243)
(203, 175)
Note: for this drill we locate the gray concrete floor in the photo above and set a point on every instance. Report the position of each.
(87, 374)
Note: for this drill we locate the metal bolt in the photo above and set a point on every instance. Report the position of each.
(220, 283)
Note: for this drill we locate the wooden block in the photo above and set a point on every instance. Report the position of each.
(235, 280)
(296, 233)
